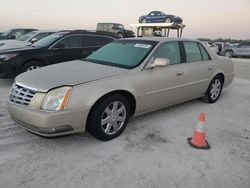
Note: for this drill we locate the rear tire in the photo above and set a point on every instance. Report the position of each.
(228, 53)
(214, 90)
(31, 65)
(109, 117)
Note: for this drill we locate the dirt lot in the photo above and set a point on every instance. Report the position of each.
(152, 152)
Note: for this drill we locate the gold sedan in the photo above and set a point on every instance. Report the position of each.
(125, 78)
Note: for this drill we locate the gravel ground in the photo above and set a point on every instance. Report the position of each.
(152, 152)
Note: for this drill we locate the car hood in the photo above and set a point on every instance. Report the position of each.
(10, 44)
(16, 49)
(66, 74)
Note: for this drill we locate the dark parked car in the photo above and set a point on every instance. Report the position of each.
(159, 17)
(55, 48)
(15, 33)
(115, 28)
(243, 49)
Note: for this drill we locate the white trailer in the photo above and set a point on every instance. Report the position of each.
(157, 29)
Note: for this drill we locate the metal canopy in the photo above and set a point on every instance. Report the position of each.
(166, 27)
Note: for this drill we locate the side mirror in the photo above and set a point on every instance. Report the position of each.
(160, 62)
(33, 40)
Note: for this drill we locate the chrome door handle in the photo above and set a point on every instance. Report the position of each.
(179, 73)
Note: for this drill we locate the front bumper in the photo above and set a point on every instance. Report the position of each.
(49, 124)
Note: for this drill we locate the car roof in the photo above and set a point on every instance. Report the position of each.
(24, 29)
(101, 33)
(160, 39)
(44, 31)
(110, 23)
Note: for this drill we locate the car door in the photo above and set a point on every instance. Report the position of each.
(163, 86)
(160, 17)
(67, 49)
(198, 69)
(152, 17)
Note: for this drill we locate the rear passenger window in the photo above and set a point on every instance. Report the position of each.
(170, 51)
(71, 42)
(192, 52)
(204, 53)
(96, 41)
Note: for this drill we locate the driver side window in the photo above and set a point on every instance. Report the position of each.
(169, 51)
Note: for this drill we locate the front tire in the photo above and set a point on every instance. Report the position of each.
(144, 20)
(214, 90)
(31, 65)
(109, 117)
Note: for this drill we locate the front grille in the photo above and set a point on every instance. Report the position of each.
(21, 95)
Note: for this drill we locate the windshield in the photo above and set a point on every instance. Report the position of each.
(123, 53)
(49, 39)
(27, 36)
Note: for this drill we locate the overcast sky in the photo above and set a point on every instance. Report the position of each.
(204, 18)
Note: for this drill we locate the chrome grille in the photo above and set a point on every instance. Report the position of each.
(21, 95)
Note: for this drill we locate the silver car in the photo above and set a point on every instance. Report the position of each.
(242, 49)
(125, 78)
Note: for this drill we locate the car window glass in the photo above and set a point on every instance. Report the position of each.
(40, 36)
(120, 26)
(170, 51)
(105, 27)
(204, 53)
(27, 36)
(18, 33)
(99, 26)
(71, 42)
(192, 52)
(111, 27)
(88, 40)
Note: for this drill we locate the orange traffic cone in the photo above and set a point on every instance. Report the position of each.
(199, 138)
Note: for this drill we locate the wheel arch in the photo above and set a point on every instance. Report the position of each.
(231, 50)
(43, 61)
(128, 95)
(221, 74)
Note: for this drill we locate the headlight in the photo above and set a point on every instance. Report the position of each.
(57, 99)
(6, 57)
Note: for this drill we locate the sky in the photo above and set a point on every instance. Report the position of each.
(203, 18)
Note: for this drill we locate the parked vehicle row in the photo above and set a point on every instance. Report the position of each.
(126, 77)
(55, 48)
(15, 33)
(25, 40)
(230, 49)
(242, 50)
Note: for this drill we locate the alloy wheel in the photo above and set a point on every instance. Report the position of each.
(215, 89)
(113, 118)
